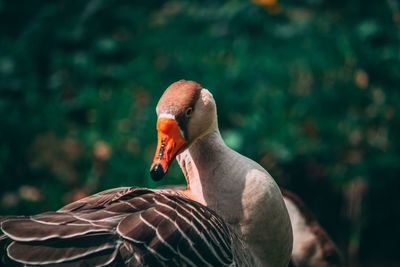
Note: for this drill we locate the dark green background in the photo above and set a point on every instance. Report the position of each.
(309, 89)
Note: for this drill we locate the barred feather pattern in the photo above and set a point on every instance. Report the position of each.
(128, 226)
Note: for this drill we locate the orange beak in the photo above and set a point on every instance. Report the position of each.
(170, 141)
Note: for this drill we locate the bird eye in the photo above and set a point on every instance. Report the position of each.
(188, 112)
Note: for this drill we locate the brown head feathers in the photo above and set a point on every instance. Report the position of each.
(178, 97)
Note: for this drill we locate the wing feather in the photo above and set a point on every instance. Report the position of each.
(124, 226)
(61, 250)
(29, 230)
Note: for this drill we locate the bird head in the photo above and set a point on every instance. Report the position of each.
(185, 112)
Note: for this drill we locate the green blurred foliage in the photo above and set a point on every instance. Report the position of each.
(308, 88)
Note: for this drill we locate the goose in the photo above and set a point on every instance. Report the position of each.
(231, 212)
(312, 246)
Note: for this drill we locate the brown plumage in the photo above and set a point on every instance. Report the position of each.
(124, 226)
(178, 96)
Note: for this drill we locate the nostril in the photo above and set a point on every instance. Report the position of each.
(162, 149)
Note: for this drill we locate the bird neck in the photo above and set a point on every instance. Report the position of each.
(199, 162)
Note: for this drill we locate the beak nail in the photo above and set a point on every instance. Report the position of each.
(157, 173)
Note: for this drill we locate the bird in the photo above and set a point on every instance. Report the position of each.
(231, 212)
(312, 246)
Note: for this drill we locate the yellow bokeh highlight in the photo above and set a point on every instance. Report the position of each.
(265, 2)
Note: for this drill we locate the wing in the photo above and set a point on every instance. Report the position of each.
(125, 226)
(322, 250)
